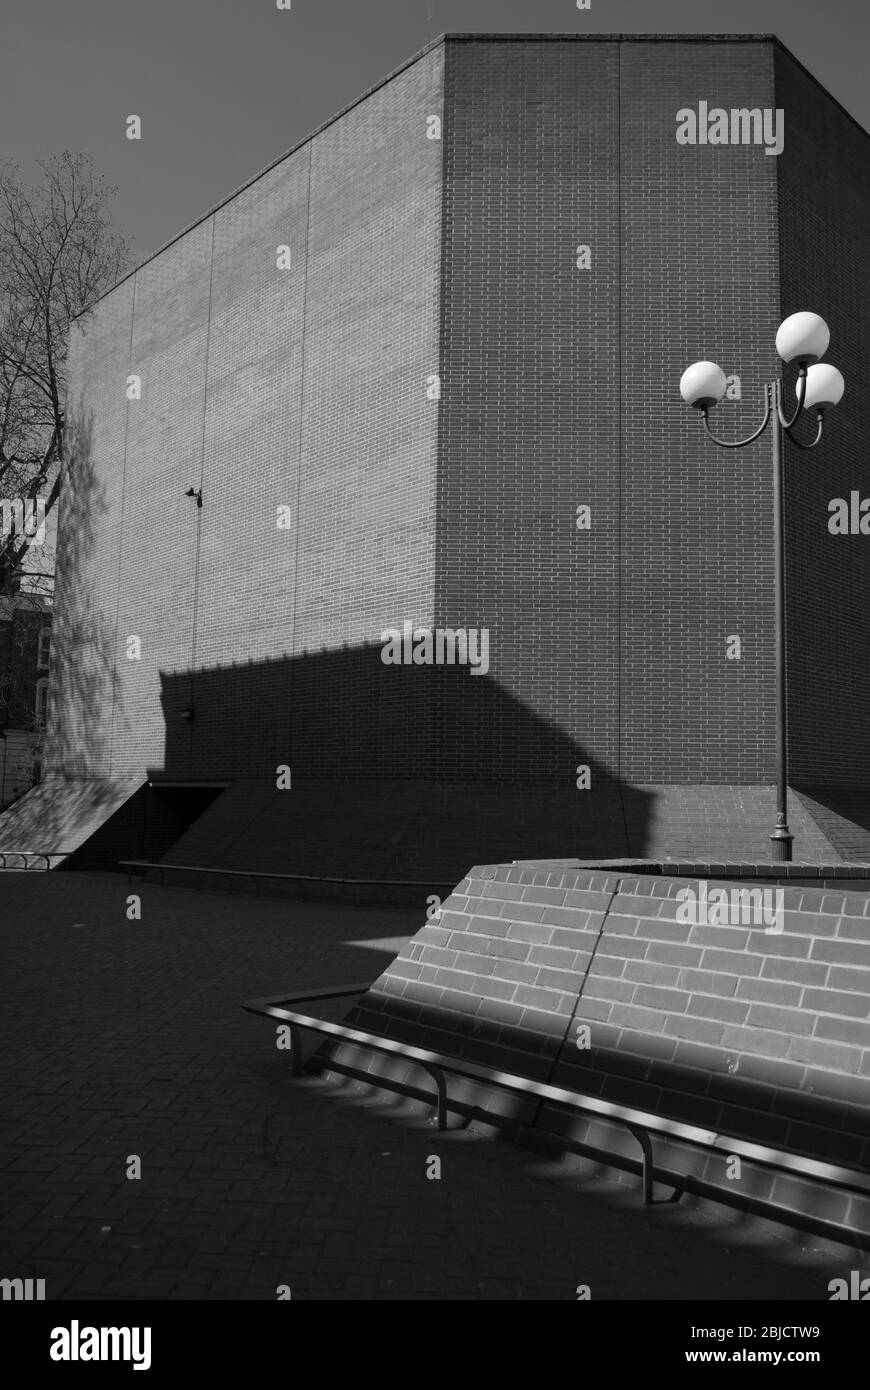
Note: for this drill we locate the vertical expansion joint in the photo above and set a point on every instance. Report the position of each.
(299, 455)
(620, 451)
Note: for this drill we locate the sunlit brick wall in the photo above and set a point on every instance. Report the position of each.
(301, 388)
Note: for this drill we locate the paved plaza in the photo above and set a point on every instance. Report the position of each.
(124, 1039)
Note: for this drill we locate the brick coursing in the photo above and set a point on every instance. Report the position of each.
(824, 240)
(307, 387)
(763, 1036)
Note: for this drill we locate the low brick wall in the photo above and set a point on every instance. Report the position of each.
(760, 1034)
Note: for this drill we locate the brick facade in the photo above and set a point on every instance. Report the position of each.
(311, 388)
(824, 236)
(301, 388)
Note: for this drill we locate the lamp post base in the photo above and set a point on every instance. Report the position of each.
(781, 842)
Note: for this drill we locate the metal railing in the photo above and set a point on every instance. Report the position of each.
(641, 1124)
(256, 874)
(26, 854)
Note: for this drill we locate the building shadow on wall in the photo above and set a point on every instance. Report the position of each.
(843, 814)
(82, 677)
(403, 768)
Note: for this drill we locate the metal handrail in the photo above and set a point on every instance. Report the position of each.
(25, 854)
(255, 874)
(639, 1123)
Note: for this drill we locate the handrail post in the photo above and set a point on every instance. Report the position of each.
(437, 1076)
(648, 1172)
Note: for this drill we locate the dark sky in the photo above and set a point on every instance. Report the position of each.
(223, 87)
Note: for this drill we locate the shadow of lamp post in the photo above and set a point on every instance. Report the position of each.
(803, 339)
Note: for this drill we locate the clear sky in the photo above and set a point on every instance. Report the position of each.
(223, 87)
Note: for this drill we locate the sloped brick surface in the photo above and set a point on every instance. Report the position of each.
(755, 1034)
(62, 813)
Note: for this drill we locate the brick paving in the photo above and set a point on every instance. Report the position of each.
(126, 1038)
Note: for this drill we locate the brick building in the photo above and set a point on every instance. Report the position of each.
(395, 366)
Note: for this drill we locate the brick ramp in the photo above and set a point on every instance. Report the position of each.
(763, 1036)
(414, 829)
(843, 814)
(393, 828)
(60, 815)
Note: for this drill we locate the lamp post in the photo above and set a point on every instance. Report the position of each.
(803, 338)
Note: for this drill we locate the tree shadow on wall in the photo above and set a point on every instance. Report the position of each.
(432, 765)
(82, 677)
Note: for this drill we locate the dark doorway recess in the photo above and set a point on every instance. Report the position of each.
(145, 826)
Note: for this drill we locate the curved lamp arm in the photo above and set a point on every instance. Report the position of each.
(739, 443)
(820, 416)
(802, 395)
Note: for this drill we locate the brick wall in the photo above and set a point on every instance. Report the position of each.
(304, 388)
(530, 362)
(90, 533)
(824, 233)
(615, 637)
(699, 281)
(307, 388)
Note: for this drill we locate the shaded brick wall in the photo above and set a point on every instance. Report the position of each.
(699, 281)
(530, 359)
(824, 222)
(615, 637)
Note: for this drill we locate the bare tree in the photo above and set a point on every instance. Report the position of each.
(58, 254)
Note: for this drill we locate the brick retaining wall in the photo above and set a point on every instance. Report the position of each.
(756, 1034)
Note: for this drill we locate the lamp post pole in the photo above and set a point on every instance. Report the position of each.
(781, 841)
(803, 338)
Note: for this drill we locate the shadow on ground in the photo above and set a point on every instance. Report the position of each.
(126, 1038)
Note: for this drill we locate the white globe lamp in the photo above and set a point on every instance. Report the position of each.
(825, 387)
(802, 338)
(702, 384)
